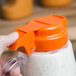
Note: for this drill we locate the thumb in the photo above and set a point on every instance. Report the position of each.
(7, 40)
(11, 38)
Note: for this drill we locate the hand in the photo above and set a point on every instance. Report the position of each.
(5, 41)
(16, 73)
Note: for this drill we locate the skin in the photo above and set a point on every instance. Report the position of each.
(5, 41)
(16, 73)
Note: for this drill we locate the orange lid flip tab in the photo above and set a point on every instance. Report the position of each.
(41, 34)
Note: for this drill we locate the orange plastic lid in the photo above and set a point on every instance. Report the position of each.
(42, 34)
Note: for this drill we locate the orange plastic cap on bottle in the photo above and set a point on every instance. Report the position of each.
(42, 34)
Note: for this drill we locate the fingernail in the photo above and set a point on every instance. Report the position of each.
(14, 35)
(11, 38)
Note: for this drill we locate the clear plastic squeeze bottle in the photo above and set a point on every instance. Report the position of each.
(46, 49)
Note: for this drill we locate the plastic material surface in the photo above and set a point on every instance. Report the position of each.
(60, 62)
(42, 34)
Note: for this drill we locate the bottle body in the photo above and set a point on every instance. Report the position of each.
(60, 62)
(55, 2)
(17, 9)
